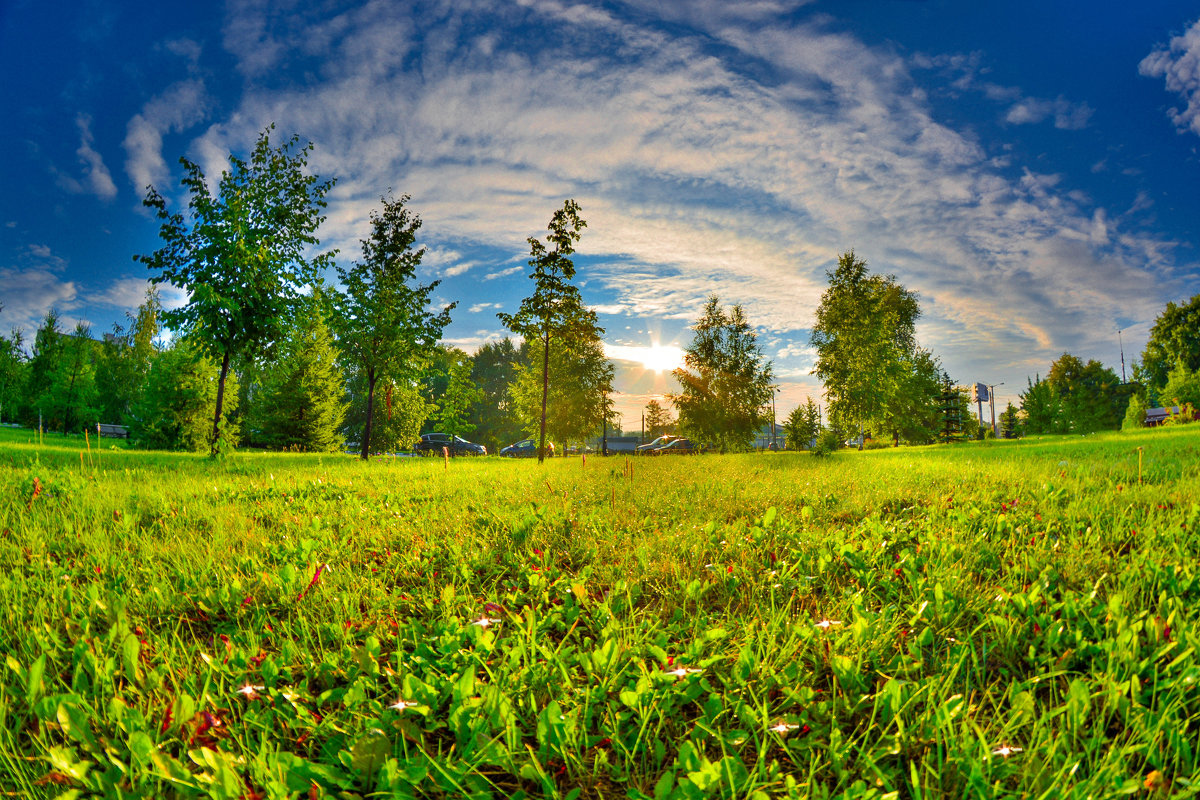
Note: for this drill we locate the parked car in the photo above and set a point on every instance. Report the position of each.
(678, 447)
(432, 444)
(526, 448)
(643, 449)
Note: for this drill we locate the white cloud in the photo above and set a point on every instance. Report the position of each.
(34, 287)
(1067, 115)
(479, 307)
(1179, 63)
(96, 178)
(181, 106)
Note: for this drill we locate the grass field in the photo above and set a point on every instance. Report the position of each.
(1003, 619)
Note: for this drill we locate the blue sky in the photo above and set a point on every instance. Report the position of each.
(1029, 168)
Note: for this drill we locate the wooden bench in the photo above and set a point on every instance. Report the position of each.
(112, 431)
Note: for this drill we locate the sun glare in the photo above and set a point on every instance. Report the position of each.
(662, 358)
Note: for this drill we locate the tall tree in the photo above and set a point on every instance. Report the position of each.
(578, 400)
(300, 403)
(383, 322)
(1091, 395)
(725, 381)
(552, 312)
(874, 373)
(12, 374)
(1174, 338)
(658, 419)
(241, 252)
(48, 344)
(125, 356)
(1042, 408)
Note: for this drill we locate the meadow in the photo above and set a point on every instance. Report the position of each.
(996, 619)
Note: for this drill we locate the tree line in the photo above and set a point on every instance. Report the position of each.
(266, 354)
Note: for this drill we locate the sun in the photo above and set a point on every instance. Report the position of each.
(662, 358)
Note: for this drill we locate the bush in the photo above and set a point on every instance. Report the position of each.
(827, 441)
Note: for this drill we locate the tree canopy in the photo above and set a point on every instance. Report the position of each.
(1174, 339)
(725, 381)
(875, 375)
(241, 252)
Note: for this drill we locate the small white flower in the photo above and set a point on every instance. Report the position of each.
(485, 622)
(400, 705)
(1005, 751)
(783, 727)
(826, 624)
(250, 691)
(680, 672)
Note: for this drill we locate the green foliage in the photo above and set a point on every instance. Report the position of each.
(399, 411)
(577, 399)
(873, 371)
(493, 370)
(241, 252)
(1182, 386)
(62, 385)
(1075, 398)
(13, 369)
(1135, 414)
(954, 410)
(1010, 422)
(48, 346)
(1042, 408)
(175, 411)
(1174, 339)
(725, 381)
(460, 395)
(555, 310)
(124, 361)
(383, 323)
(802, 426)
(300, 402)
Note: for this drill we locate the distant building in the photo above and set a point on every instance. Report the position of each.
(1157, 416)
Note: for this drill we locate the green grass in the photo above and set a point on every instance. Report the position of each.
(1002, 619)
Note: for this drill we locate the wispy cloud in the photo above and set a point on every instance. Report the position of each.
(96, 178)
(1178, 62)
(178, 108)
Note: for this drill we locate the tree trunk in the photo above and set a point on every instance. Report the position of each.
(366, 442)
(545, 393)
(216, 434)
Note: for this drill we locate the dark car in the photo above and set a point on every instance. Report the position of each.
(526, 448)
(679, 447)
(643, 449)
(432, 444)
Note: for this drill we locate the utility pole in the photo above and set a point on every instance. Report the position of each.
(1122, 344)
(774, 442)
